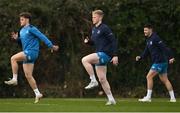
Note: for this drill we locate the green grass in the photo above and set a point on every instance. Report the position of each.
(86, 105)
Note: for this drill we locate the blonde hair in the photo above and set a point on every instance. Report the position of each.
(98, 12)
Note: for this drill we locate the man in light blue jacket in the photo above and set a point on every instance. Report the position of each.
(29, 36)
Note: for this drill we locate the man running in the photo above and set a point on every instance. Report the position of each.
(160, 56)
(29, 37)
(106, 51)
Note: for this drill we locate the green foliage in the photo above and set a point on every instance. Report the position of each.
(63, 21)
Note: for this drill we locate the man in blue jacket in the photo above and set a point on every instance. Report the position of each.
(106, 50)
(161, 56)
(29, 36)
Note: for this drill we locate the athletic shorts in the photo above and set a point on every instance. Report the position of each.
(103, 59)
(161, 68)
(31, 56)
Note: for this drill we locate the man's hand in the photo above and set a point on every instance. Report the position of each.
(115, 60)
(138, 58)
(86, 40)
(14, 35)
(54, 48)
(172, 60)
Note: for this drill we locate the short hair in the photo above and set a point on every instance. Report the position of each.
(150, 26)
(26, 15)
(98, 12)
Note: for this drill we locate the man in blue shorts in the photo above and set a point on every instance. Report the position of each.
(29, 36)
(106, 51)
(161, 56)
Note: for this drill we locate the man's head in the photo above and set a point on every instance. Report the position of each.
(97, 16)
(148, 30)
(25, 18)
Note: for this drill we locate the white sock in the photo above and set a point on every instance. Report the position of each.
(93, 78)
(15, 77)
(171, 93)
(36, 91)
(149, 93)
(110, 97)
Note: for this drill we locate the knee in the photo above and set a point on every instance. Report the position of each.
(28, 76)
(148, 77)
(102, 80)
(83, 60)
(13, 58)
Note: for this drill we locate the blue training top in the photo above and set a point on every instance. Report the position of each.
(157, 49)
(104, 40)
(30, 37)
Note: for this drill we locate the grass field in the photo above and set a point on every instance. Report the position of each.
(86, 105)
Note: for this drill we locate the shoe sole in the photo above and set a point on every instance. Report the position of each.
(172, 101)
(6, 82)
(91, 87)
(110, 104)
(36, 101)
(144, 101)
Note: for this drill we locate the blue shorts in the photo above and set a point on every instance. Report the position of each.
(103, 59)
(31, 56)
(161, 68)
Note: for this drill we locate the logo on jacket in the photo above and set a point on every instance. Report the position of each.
(150, 42)
(98, 32)
(27, 31)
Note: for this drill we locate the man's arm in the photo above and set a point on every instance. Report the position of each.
(41, 36)
(144, 54)
(167, 51)
(109, 34)
(113, 40)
